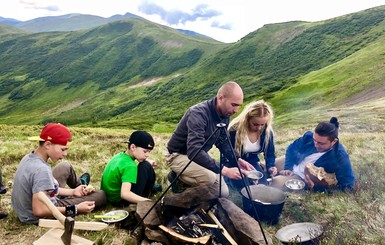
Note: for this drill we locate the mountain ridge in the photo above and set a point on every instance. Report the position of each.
(269, 63)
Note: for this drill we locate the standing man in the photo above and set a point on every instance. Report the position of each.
(196, 126)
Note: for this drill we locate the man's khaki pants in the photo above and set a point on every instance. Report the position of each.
(195, 174)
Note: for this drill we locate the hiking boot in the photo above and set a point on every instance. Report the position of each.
(85, 178)
(178, 186)
(156, 188)
(3, 190)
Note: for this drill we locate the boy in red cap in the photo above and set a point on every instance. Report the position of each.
(128, 177)
(34, 174)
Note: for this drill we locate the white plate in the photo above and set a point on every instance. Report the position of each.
(121, 213)
(299, 232)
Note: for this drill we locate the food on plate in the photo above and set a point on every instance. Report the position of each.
(254, 174)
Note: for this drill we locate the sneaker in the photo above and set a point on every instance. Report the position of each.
(85, 178)
(178, 186)
(3, 190)
(156, 189)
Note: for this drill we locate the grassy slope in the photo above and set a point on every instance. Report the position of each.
(273, 58)
(357, 80)
(121, 54)
(68, 62)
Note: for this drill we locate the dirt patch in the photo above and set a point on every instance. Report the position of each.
(66, 107)
(150, 81)
(373, 93)
(146, 83)
(172, 44)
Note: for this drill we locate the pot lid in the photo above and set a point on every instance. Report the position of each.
(299, 232)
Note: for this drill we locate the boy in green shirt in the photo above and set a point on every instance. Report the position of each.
(128, 177)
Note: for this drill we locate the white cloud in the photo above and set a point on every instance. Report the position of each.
(224, 20)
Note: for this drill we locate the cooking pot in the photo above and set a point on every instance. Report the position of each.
(267, 200)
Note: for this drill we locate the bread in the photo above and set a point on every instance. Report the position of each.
(89, 189)
(319, 176)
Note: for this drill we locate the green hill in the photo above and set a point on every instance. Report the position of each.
(137, 74)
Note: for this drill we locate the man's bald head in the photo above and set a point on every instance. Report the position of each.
(229, 99)
(229, 89)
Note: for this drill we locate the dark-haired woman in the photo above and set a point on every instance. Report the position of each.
(322, 149)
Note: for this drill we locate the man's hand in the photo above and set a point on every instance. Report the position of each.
(245, 165)
(85, 207)
(233, 173)
(309, 182)
(79, 191)
(286, 172)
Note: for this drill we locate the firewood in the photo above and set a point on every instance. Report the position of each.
(182, 238)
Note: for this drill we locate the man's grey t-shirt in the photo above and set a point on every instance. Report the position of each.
(33, 175)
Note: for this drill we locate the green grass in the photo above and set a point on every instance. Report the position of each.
(348, 218)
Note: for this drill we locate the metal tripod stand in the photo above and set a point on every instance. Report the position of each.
(220, 126)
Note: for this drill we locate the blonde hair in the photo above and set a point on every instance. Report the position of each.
(241, 123)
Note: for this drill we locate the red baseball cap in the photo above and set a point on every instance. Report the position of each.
(56, 133)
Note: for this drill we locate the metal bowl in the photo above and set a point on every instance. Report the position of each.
(254, 175)
(299, 233)
(295, 184)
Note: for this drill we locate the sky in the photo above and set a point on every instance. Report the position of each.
(224, 20)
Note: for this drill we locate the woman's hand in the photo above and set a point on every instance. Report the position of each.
(273, 171)
(153, 163)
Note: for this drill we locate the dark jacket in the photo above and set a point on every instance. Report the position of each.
(196, 126)
(335, 160)
(253, 158)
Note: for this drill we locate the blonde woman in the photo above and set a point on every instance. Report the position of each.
(251, 134)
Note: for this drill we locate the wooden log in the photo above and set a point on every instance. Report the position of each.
(79, 225)
(223, 230)
(240, 225)
(185, 239)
